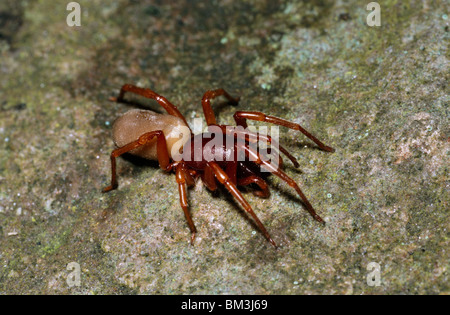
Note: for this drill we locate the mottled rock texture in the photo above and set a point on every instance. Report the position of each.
(379, 95)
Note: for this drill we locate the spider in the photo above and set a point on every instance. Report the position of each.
(153, 136)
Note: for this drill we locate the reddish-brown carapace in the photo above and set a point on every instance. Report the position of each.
(155, 136)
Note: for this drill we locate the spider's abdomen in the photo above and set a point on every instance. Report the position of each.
(136, 122)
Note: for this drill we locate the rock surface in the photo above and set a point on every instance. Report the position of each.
(379, 95)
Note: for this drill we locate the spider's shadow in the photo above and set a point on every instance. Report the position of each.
(139, 161)
(146, 104)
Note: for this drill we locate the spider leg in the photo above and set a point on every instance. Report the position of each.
(253, 179)
(208, 178)
(193, 174)
(163, 154)
(278, 172)
(168, 106)
(241, 120)
(269, 140)
(225, 180)
(206, 104)
(182, 179)
(254, 137)
(231, 170)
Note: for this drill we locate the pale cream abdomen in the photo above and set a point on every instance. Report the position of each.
(136, 122)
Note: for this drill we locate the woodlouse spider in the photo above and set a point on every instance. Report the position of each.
(154, 136)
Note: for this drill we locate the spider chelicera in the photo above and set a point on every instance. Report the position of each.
(154, 136)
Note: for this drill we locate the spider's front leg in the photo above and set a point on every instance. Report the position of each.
(206, 104)
(253, 137)
(241, 120)
(163, 154)
(183, 179)
(255, 156)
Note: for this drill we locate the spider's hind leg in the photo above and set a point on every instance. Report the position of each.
(163, 154)
(168, 106)
(183, 179)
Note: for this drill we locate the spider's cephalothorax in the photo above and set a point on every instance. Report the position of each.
(168, 139)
